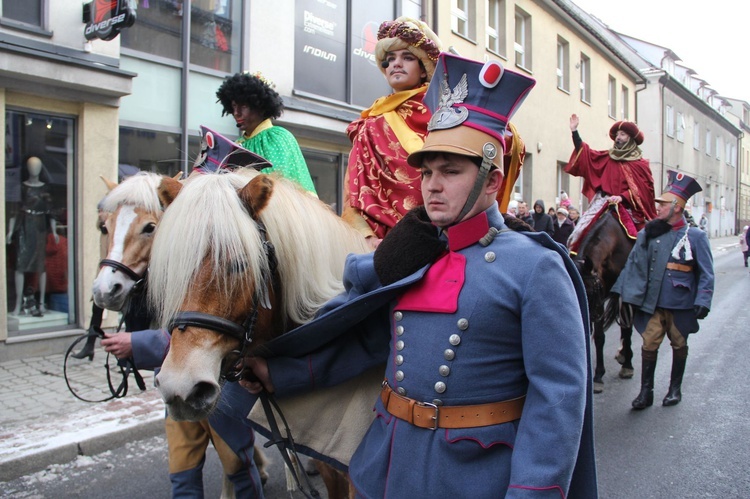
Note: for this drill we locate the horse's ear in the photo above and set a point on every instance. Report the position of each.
(256, 194)
(110, 185)
(169, 188)
(178, 175)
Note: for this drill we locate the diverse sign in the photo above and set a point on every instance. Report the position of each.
(105, 18)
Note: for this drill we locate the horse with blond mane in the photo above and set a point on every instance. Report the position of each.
(129, 215)
(238, 259)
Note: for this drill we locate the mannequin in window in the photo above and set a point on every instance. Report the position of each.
(28, 228)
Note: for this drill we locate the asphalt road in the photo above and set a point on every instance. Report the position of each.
(696, 449)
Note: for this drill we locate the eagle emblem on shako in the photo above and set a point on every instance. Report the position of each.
(448, 116)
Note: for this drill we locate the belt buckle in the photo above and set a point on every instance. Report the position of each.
(435, 417)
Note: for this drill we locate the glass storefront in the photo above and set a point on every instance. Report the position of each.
(150, 151)
(39, 167)
(215, 32)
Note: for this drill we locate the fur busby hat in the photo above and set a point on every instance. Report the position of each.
(220, 153)
(628, 127)
(680, 188)
(412, 35)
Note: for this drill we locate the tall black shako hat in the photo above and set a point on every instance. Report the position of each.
(471, 104)
(219, 153)
(680, 187)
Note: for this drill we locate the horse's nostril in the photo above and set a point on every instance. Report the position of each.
(203, 392)
(116, 289)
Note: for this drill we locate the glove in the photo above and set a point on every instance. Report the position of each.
(410, 245)
(700, 311)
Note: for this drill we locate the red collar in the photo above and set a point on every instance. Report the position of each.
(468, 232)
(679, 224)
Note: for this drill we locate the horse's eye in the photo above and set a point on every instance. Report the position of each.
(103, 229)
(149, 228)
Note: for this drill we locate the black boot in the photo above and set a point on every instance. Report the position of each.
(87, 350)
(674, 395)
(646, 397)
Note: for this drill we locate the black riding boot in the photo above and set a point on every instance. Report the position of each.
(646, 397)
(674, 395)
(87, 350)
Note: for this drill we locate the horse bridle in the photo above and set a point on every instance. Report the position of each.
(232, 368)
(138, 279)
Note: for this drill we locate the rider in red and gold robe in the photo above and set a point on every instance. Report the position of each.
(620, 174)
(380, 187)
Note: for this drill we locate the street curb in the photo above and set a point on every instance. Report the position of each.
(32, 462)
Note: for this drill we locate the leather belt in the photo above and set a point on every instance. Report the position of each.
(431, 416)
(679, 266)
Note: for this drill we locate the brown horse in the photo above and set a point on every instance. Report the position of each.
(237, 260)
(128, 217)
(601, 257)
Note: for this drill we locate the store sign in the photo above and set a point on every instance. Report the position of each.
(105, 18)
(334, 62)
(320, 46)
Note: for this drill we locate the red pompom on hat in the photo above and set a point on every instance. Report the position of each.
(628, 127)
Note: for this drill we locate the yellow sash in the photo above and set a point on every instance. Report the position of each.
(386, 106)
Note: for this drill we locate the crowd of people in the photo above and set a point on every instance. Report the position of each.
(428, 185)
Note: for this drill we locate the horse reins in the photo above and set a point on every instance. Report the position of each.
(95, 331)
(233, 370)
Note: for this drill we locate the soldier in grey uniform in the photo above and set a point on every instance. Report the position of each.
(485, 393)
(669, 280)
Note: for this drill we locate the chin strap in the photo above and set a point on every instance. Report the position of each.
(489, 151)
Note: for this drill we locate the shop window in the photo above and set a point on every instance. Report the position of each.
(158, 29)
(325, 171)
(23, 11)
(39, 165)
(150, 151)
(216, 34)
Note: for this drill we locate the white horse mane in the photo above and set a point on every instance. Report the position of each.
(139, 190)
(208, 218)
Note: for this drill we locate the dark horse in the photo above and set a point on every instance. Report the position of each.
(601, 257)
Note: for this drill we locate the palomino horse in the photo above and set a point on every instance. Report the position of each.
(129, 215)
(237, 260)
(601, 257)
(130, 212)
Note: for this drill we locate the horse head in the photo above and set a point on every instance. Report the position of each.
(237, 259)
(128, 216)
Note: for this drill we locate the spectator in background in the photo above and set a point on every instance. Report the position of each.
(523, 213)
(744, 243)
(541, 222)
(574, 215)
(563, 227)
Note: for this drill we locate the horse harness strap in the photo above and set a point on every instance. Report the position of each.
(140, 280)
(431, 416)
(242, 332)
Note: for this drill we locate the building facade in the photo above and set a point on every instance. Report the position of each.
(739, 114)
(90, 108)
(687, 129)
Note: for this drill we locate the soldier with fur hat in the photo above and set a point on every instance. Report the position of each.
(619, 174)
(669, 281)
(379, 187)
(486, 394)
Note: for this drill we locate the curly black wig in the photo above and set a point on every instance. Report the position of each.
(247, 89)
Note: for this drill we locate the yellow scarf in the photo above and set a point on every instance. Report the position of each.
(387, 107)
